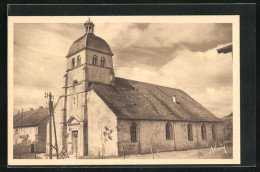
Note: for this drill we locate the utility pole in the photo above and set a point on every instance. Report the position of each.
(226, 49)
(48, 95)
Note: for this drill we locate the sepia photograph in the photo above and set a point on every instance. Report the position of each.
(116, 90)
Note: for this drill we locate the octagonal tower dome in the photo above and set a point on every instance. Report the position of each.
(89, 41)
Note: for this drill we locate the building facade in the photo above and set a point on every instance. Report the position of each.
(29, 131)
(103, 115)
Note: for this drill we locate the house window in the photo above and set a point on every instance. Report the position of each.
(168, 129)
(190, 133)
(16, 131)
(73, 62)
(214, 132)
(203, 132)
(78, 61)
(94, 62)
(133, 132)
(102, 61)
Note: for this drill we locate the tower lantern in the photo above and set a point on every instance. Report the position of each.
(89, 25)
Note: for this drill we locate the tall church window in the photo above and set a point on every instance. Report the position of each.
(73, 63)
(214, 132)
(102, 61)
(168, 129)
(190, 133)
(203, 132)
(94, 62)
(78, 61)
(133, 132)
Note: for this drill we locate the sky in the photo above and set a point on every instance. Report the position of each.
(177, 55)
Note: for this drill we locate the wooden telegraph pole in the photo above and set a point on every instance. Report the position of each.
(48, 95)
(51, 112)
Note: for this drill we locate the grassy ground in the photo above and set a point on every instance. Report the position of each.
(205, 153)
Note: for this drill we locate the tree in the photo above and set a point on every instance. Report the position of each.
(107, 135)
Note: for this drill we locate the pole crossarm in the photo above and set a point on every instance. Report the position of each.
(225, 50)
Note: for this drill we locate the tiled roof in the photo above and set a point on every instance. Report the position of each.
(130, 99)
(30, 118)
(89, 41)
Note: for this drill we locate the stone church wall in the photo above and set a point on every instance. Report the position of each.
(181, 135)
(100, 118)
(151, 136)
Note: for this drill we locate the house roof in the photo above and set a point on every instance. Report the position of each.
(130, 99)
(30, 118)
(91, 41)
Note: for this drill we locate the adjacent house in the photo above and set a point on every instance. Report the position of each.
(29, 130)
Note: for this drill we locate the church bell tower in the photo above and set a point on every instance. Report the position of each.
(89, 25)
(89, 62)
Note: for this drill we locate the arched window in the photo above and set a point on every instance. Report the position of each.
(168, 129)
(73, 63)
(94, 62)
(203, 132)
(214, 132)
(190, 133)
(133, 132)
(78, 61)
(102, 61)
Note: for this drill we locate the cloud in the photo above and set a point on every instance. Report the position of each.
(206, 76)
(176, 55)
(141, 42)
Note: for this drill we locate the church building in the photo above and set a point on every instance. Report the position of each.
(103, 115)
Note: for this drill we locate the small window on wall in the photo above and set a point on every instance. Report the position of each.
(73, 63)
(94, 62)
(16, 131)
(168, 129)
(133, 132)
(203, 132)
(102, 61)
(75, 82)
(214, 132)
(78, 61)
(190, 133)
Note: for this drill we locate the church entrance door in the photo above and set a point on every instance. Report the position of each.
(74, 143)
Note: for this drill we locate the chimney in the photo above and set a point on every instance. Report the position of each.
(174, 98)
(31, 109)
(40, 107)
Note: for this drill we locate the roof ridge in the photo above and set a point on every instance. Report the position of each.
(29, 111)
(150, 84)
(79, 38)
